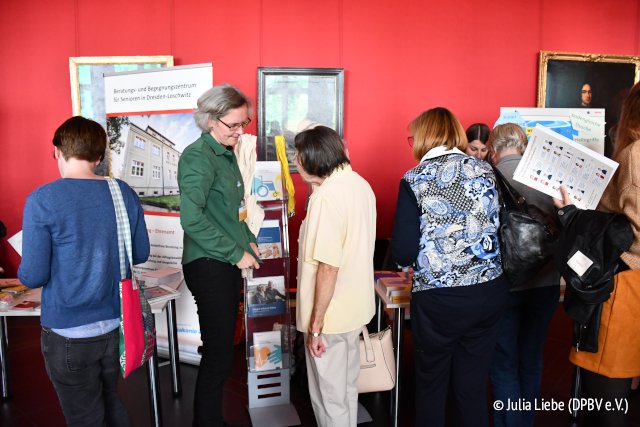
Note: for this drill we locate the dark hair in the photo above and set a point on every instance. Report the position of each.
(320, 151)
(478, 131)
(81, 138)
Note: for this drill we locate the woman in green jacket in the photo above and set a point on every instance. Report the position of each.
(217, 241)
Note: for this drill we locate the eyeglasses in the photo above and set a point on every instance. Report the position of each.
(236, 126)
(410, 141)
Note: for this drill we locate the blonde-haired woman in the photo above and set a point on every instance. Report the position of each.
(516, 369)
(446, 227)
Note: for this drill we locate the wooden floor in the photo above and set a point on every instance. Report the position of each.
(34, 402)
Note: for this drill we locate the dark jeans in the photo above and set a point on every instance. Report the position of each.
(84, 373)
(516, 369)
(454, 331)
(216, 288)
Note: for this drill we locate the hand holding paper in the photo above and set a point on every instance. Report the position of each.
(565, 201)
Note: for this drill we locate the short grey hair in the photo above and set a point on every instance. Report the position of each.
(217, 102)
(508, 135)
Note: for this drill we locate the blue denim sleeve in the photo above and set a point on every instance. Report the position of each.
(405, 239)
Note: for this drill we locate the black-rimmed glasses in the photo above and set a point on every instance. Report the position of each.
(236, 126)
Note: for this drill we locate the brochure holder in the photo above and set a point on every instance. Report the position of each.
(268, 325)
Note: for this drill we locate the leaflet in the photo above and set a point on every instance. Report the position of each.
(269, 239)
(267, 181)
(552, 160)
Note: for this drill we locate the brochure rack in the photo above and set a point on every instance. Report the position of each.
(268, 326)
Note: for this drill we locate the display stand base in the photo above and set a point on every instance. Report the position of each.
(286, 415)
(363, 414)
(274, 416)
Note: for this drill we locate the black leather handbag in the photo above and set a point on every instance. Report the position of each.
(526, 235)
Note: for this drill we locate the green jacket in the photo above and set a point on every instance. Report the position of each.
(211, 191)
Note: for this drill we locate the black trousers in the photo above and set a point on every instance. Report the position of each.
(454, 331)
(603, 390)
(215, 286)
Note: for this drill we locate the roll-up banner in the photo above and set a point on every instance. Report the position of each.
(149, 124)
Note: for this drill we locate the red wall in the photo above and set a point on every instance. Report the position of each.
(400, 58)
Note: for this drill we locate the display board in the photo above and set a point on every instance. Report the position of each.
(149, 123)
(585, 126)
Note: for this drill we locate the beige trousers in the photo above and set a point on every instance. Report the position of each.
(332, 380)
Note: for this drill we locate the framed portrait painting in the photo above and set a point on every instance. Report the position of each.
(291, 100)
(587, 80)
(87, 84)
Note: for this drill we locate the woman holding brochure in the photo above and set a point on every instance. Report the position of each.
(612, 383)
(217, 240)
(516, 368)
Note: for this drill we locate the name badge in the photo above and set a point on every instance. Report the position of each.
(242, 211)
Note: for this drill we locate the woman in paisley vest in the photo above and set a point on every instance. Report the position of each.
(446, 228)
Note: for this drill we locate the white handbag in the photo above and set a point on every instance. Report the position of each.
(377, 361)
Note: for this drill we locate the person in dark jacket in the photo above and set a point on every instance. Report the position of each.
(516, 368)
(621, 196)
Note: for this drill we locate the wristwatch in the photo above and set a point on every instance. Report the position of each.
(316, 334)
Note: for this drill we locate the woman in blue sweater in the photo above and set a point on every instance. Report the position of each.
(70, 249)
(446, 227)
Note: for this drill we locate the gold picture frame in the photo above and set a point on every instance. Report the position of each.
(562, 75)
(87, 85)
(588, 80)
(83, 69)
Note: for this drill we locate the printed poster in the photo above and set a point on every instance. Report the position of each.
(582, 125)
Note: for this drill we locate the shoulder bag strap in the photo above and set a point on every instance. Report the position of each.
(124, 230)
(368, 347)
(517, 200)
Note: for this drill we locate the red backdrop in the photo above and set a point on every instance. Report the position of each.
(400, 58)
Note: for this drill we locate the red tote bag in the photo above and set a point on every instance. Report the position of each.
(137, 322)
(137, 328)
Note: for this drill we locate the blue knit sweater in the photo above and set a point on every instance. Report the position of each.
(70, 249)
